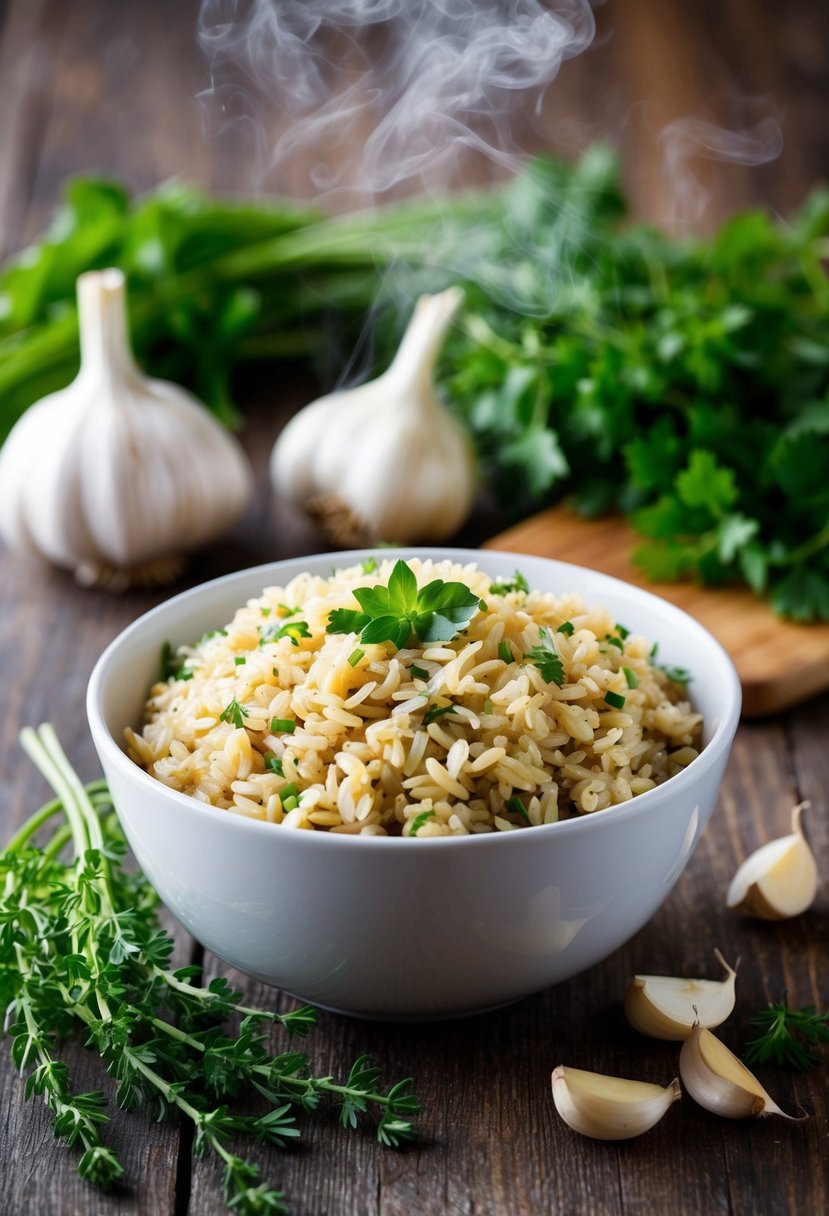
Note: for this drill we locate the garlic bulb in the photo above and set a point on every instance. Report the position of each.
(778, 880)
(665, 1007)
(117, 475)
(385, 460)
(609, 1108)
(717, 1080)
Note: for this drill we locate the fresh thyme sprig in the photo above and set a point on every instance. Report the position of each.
(82, 951)
(786, 1036)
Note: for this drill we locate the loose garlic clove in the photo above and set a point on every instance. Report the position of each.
(665, 1007)
(779, 880)
(117, 475)
(717, 1080)
(609, 1108)
(384, 460)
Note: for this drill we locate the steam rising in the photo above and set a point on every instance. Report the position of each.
(689, 139)
(421, 87)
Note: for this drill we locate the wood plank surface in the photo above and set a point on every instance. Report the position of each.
(113, 87)
(779, 663)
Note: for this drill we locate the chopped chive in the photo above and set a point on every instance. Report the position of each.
(617, 642)
(654, 651)
(355, 656)
(505, 652)
(517, 807)
(265, 611)
(239, 660)
(487, 706)
(419, 673)
(288, 791)
(418, 822)
(286, 726)
(615, 699)
(437, 711)
(567, 628)
(275, 765)
(622, 632)
(631, 677)
(290, 804)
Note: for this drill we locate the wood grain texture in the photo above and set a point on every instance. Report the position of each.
(780, 664)
(113, 87)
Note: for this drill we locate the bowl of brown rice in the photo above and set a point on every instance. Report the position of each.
(418, 819)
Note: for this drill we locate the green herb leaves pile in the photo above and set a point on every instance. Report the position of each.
(400, 613)
(82, 951)
(685, 384)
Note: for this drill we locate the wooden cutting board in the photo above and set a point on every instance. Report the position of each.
(779, 663)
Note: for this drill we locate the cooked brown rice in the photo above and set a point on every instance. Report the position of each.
(360, 758)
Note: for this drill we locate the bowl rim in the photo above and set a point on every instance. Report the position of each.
(719, 742)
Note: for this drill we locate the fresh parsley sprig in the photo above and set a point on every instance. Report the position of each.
(547, 659)
(786, 1036)
(400, 612)
(82, 951)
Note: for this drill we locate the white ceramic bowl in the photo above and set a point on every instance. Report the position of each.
(397, 928)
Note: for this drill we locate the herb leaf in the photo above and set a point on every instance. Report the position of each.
(234, 713)
(399, 611)
(546, 658)
(285, 629)
(418, 822)
(518, 583)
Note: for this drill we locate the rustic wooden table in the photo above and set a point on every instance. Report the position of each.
(94, 86)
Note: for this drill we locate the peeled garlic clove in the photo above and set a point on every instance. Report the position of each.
(666, 1007)
(609, 1108)
(778, 880)
(384, 460)
(717, 1080)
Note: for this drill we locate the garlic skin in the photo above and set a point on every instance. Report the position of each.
(717, 1080)
(779, 880)
(665, 1007)
(117, 472)
(609, 1108)
(384, 460)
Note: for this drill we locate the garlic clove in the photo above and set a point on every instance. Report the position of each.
(779, 880)
(384, 460)
(717, 1080)
(667, 1007)
(609, 1108)
(118, 473)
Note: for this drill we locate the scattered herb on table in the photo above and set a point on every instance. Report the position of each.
(82, 952)
(547, 659)
(788, 1036)
(400, 612)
